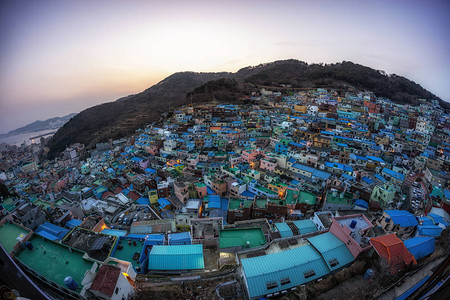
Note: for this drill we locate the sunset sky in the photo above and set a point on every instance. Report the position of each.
(58, 57)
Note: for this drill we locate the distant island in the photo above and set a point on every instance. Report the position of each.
(36, 126)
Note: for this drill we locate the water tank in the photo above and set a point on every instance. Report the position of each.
(70, 283)
(368, 274)
(247, 244)
(29, 245)
(353, 224)
(387, 220)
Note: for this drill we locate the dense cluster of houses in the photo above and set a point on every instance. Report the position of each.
(301, 181)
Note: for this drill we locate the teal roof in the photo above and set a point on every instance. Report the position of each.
(305, 226)
(332, 249)
(179, 257)
(274, 268)
(284, 229)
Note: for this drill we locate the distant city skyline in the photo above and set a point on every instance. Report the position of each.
(58, 57)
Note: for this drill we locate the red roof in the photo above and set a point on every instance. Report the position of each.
(133, 195)
(118, 190)
(106, 279)
(392, 249)
(107, 194)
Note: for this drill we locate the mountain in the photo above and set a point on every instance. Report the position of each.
(123, 116)
(53, 123)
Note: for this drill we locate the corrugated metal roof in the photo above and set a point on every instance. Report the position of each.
(420, 246)
(180, 257)
(291, 264)
(431, 230)
(402, 218)
(305, 226)
(284, 229)
(333, 250)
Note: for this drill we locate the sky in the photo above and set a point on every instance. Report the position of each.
(59, 57)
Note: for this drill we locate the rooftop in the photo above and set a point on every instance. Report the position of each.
(54, 261)
(128, 250)
(9, 233)
(240, 236)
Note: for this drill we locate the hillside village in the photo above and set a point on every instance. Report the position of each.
(271, 197)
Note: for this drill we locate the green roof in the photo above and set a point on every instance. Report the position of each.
(128, 250)
(236, 203)
(260, 203)
(347, 199)
(306, 197)
(54, 261)
(8, 235)
(239, 236)
(291, 197)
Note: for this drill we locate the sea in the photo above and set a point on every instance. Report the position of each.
(25, 137)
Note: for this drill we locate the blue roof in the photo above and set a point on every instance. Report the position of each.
(367, 180)
(426, 221)
(438, 219)
(143, 201)
(284, 229)
(248, 194)
(321, 174)
(114, 232)
(150, 170)
(332, 248)
(346, 176)
(361, 203)
(290, 264)
(74, 222)
(394, 174)
(180, 238)
(378, 176)
(420, 246)
(163, 202)
(179, 257)
(429, 230)
(305, 226)
(214, 201)
(153, 237)
(402, 218)
(303, 168)
(51, 231)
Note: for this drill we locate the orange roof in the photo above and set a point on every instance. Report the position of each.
(391, 248)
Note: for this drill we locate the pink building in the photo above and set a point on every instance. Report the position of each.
(250, 154)
(268, 164)
(352, 230)
(153, 150)
(201, 189)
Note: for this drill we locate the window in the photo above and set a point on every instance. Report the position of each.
(309, 274)
(333, 263)
(271, 285)
(285, 281)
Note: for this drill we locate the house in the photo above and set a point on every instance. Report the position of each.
(401, 222)
(176, 258)
(383, 194)
(393, 250)
(353, 231)
(111, 283)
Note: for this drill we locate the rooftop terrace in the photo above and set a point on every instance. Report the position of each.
(54, 261)
(9, 233)
(128, 250)
(240, 236)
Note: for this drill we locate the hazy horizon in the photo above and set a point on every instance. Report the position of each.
(60, 57)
